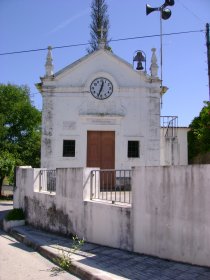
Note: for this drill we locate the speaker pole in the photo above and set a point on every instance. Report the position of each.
(164, 14)
(161, 59)
(208, 53)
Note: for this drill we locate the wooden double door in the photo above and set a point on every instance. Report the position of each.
(101, 153)
(101, 149)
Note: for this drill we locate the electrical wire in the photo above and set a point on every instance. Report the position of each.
(157, 35)
(190, 11)
(112, 40)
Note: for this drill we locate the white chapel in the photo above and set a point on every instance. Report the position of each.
(101, 112)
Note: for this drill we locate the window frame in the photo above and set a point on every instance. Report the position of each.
(69, 151)
(133, 152)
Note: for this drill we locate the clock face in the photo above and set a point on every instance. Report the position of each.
(101, 88)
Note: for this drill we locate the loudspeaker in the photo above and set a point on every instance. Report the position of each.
(169, 2)
(165, 14)
(149, 9)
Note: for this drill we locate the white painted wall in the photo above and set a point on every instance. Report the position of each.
(108, 224)
(69, 111)
(70, 209)
(183, 145)
(171, 207)
(174, 151)
(168, 218)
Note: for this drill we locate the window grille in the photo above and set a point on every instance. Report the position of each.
(133, 149)
(69, 148)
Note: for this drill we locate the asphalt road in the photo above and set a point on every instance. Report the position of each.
(18, 262)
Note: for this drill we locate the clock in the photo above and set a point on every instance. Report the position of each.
(101, 88)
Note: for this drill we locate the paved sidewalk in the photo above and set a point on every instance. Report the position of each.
(103, 263)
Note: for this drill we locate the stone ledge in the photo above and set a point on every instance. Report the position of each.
(7, 225)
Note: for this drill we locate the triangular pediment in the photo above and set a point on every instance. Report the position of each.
(99, 63)
(100, 54)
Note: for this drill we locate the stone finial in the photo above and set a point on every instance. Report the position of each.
(49, 64)
(154, 66)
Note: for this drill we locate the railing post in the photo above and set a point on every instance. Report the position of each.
(47, 180)
(91, 184)
(40, 180)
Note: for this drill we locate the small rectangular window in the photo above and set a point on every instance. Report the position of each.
(133, 149)
(68, 148)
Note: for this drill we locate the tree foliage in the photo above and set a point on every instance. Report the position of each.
(20, 131)
(100, 21)
(7, 164)
(199, 134)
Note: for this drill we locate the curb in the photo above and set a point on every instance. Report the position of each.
(76, 268)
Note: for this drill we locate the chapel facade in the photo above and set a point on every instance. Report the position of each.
(101, 112)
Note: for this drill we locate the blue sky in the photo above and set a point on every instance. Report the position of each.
(32, 24)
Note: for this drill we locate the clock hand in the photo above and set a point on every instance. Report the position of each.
(102, 85)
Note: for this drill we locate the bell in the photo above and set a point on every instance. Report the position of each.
(149, 9)
(166, 13)
(139, 66)
(139, 57)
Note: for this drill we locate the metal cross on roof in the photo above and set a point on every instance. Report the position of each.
(102, 30)
(101, 41)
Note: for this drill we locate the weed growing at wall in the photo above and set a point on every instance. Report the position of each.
(64, 260)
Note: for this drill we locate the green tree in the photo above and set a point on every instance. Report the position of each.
(199, 134)
(20, 124)
(99, 23)
(7, 164)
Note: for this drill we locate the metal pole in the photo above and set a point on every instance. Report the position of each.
(161, 57)
(208, 53)
(161, 50)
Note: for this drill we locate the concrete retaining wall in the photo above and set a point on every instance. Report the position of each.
(169, 216)
(171, 207)
(70, 210)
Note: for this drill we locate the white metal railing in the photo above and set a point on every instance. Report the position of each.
(47, 180)
(169, 124)
(111, 185)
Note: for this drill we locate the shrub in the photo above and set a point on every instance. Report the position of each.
(15, 214)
